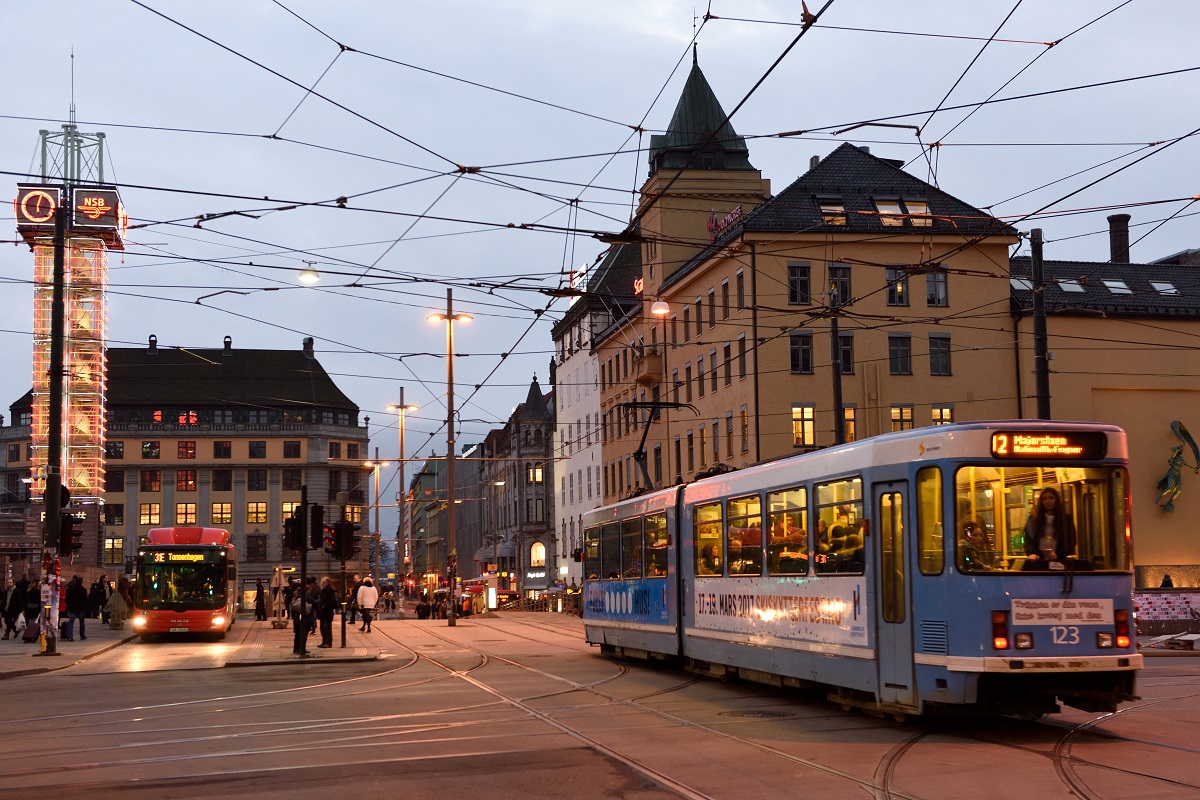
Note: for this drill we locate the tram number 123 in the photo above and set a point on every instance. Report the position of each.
(1064, 634)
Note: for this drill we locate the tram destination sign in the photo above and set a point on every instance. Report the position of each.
(1050, 444)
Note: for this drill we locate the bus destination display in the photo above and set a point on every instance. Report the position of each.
(1043, 444)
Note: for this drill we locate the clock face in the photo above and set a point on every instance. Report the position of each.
(36, 206)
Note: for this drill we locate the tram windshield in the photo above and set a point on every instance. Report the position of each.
(178, 580)
(1013, 519)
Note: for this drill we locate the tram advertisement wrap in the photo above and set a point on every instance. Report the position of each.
(825, 611)
(1080, 611)
(641, 601)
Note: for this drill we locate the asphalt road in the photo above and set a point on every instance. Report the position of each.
(519, 706)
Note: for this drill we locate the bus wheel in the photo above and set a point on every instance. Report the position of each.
(147, 637)
(219, 636)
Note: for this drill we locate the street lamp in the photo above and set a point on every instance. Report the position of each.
(375, 465)
(450, 318)
(403, 490)
(309, 276)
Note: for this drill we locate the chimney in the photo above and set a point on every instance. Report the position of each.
(308, 346)
(153, 350)
(228, 345)
(1118, 238)
(813, 161)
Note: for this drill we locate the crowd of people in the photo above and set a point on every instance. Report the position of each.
(21, 606)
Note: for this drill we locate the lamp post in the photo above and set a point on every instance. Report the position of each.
(450, 318)
(375, 465)
(402, 493)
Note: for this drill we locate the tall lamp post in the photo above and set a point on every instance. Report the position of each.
(375, 465)
(402, 493)
(450, 318)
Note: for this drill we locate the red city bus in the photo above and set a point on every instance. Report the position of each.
(186, 582)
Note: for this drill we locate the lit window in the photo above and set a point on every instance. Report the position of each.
(187, 450)
(114, 550)
(185, 480)
(222, 513)
(936, 292)
(256, 512)
(943, 415)
(918, 213)
(289, 509)
(850, 416)
(897, 286)
(833, 211)
(890, 212)
(1163, 287)
(185, 513)
(1117, 287)
(149, 514)
(902, 418)
(150, 450)
(803, 426)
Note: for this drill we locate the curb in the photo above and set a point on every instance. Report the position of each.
(21, 673)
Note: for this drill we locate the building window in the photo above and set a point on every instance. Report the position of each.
(149, 514)
(292, 480)
(222, 449)
(939, 355)
(742, 356)
(724, 299)
(258, 449)
(846, 353)
(289, 509)
(741, 290)
(114, 481)
(716, 440)
(712, 308)
(291, 449)
(114, 550)
(151, 450)
(849, 422)
(897, 287)
(151, 480)
(256, 547)
(222, 513)
(657, 467)
(833, 210)
(222, 480)
(687, 324)
(799, 286)
(803, 426)
(703, 446)
(187, 449)
(943, 415)
(256, 513)
(691, 452)
(712, 371)
(902, 418)
(728, 364)
(185, 480)
(14, 453)
(744, 414)
(729, 434)
(185, 513)
(699, 317)
(256, 480)
(839, 285)
(114, 513)
(802, 352)
(335, 450)
(112, 450)
(936, 292)
(900, 354)
(700, 376)
(687, 383)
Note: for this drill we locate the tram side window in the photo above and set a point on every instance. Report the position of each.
(1040, 518)
(745, 536)
(787, 523)
(591, 553)
(931, 552)
(632, 555)
(707, 535)
(840, 507)
(610, 551)
(656, 545)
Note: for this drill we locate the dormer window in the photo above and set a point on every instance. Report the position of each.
(1071, 285)
(1021, 284)
(1117, 287)
(891, 213)
(1163, 287)
(833, 211)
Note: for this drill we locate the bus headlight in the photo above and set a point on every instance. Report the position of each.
(218, 621)
(138, 621)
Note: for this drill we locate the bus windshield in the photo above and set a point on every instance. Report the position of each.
(1039, 518)
(178, 580)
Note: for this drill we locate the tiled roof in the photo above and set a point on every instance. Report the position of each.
(689, 139)
(140, 376)
(535, 406)
(1080, 287)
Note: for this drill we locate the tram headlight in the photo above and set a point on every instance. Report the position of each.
(1104, 639)
(1024, 641)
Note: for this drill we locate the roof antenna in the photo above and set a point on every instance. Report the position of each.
(72, 85)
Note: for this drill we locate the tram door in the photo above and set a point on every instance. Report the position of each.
(896, 677)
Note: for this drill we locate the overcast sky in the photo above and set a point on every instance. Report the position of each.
(206, 112)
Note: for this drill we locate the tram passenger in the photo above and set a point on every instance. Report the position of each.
(974, 552)
(709, 562)
(1050, 531)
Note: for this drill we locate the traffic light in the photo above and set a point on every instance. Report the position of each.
(345, 533)
(330, 534)
(316, 526)
(293, 535)
(70, 537)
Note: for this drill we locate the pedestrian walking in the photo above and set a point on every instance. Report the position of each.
(97, 597)
(77, 608)
(367, 597)
(312, 597)
(33, 610)
(299, 623)
(327, 604)
(355, 583)
(118, 605)
(260, 601)
(14, 604)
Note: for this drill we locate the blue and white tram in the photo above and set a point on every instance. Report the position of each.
(904, 572)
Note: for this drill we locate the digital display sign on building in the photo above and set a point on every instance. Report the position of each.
(95, 212)
(1050, 444)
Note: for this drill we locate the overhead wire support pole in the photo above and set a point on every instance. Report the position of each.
(1041, 355)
